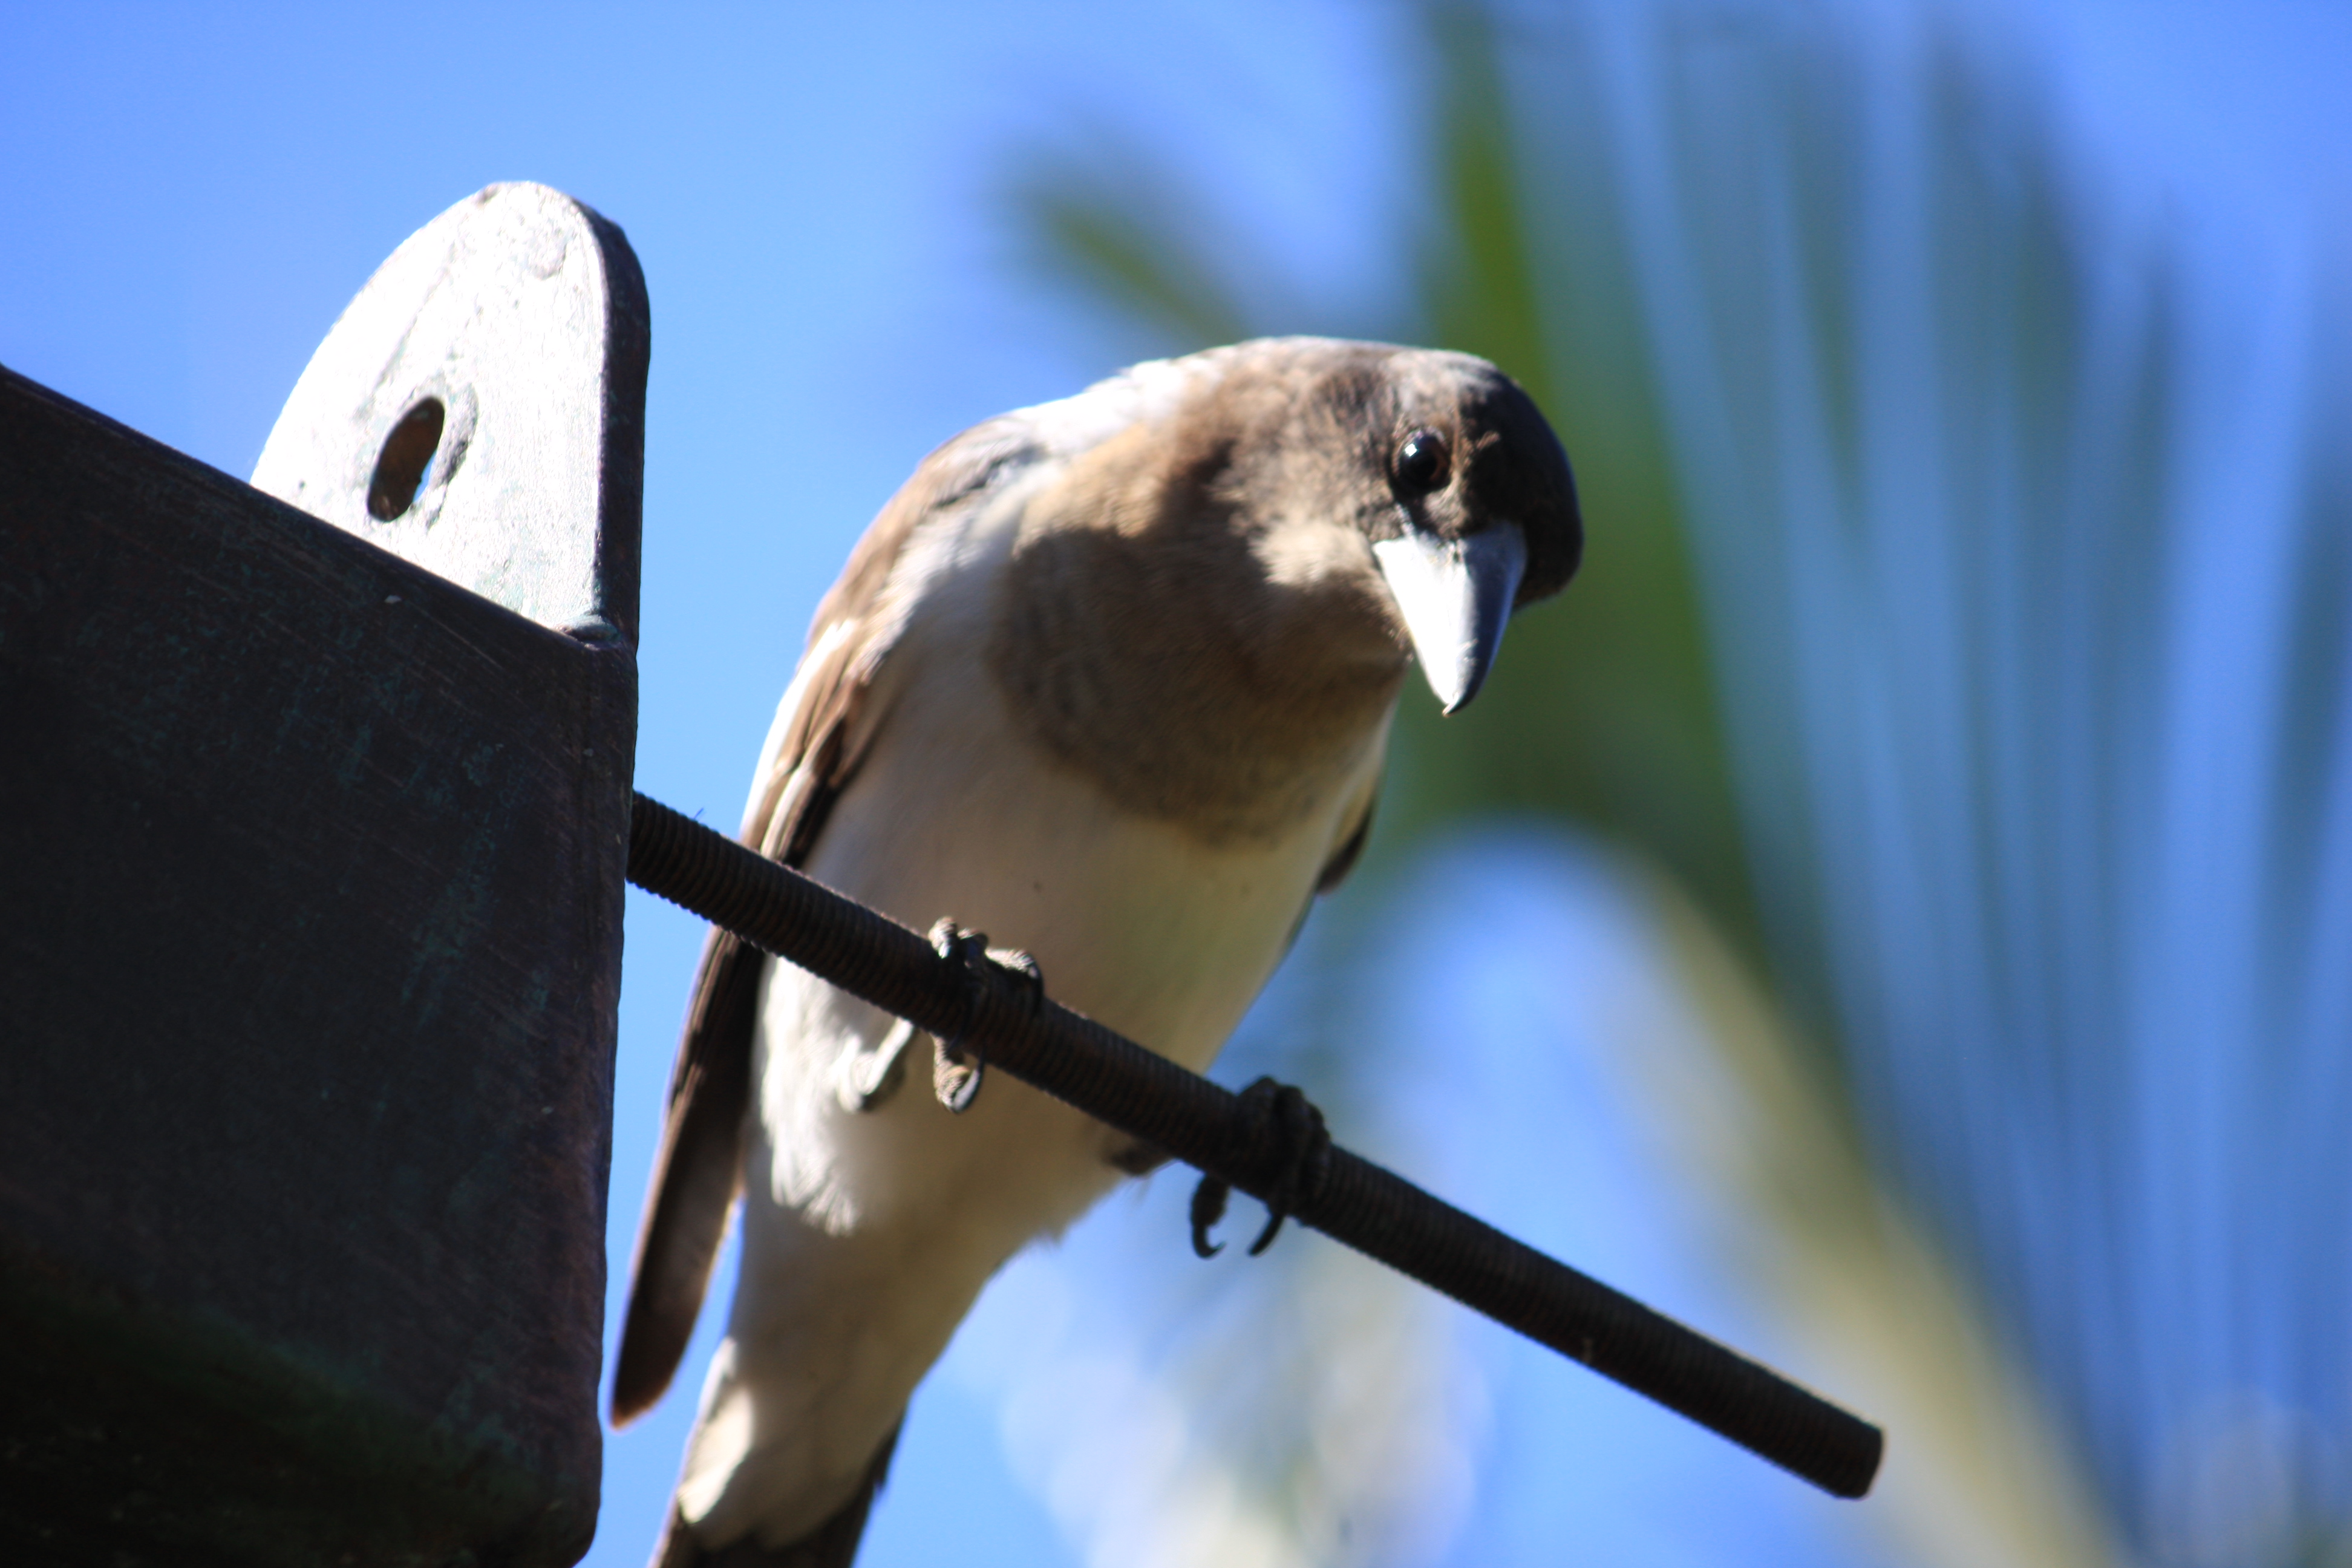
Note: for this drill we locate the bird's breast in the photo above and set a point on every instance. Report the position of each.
(1136, 918)
(1188, 686)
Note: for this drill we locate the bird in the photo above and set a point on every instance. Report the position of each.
(1112, 678)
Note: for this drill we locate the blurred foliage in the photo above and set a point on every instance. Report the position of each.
(1613, 710)
(1123, 229)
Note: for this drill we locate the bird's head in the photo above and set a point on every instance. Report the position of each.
(1478, 515)
(1425, 481)
(1225, 562)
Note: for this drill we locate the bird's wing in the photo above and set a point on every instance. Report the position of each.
(1350, 849)
(812, 754)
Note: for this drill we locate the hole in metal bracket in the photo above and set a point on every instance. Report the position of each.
(400, 466)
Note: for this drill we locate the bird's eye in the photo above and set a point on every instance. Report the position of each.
(1422, 462)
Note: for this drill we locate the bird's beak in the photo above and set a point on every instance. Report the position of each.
(1455, 594)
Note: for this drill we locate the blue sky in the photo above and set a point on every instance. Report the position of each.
(188, 196)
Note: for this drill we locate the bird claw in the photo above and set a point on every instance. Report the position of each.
(1305, 1153)
(955, 1077)
(956, 1071)
(1208, 1208)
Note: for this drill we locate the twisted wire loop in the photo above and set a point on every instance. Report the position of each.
(994, 1008)
(1280, 1117)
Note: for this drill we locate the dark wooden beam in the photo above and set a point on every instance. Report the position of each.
(311, 862)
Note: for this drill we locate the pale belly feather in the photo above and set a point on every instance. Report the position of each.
(866, 1235)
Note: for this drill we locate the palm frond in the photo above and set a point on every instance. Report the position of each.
(1966, 633)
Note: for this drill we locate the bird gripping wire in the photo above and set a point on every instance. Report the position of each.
(1015, 1029)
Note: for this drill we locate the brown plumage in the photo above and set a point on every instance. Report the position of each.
(1110, 678)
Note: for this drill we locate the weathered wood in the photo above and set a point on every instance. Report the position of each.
(311, 881)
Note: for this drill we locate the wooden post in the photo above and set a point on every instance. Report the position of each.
(313, 842)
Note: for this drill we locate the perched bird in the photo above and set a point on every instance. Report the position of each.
(1110, 678)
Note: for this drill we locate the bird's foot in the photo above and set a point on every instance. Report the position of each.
(957, 1070)
(1281, 1113)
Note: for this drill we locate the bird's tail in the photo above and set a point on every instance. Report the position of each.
(833, 1544)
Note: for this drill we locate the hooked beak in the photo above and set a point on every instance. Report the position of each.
(1455, 594)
